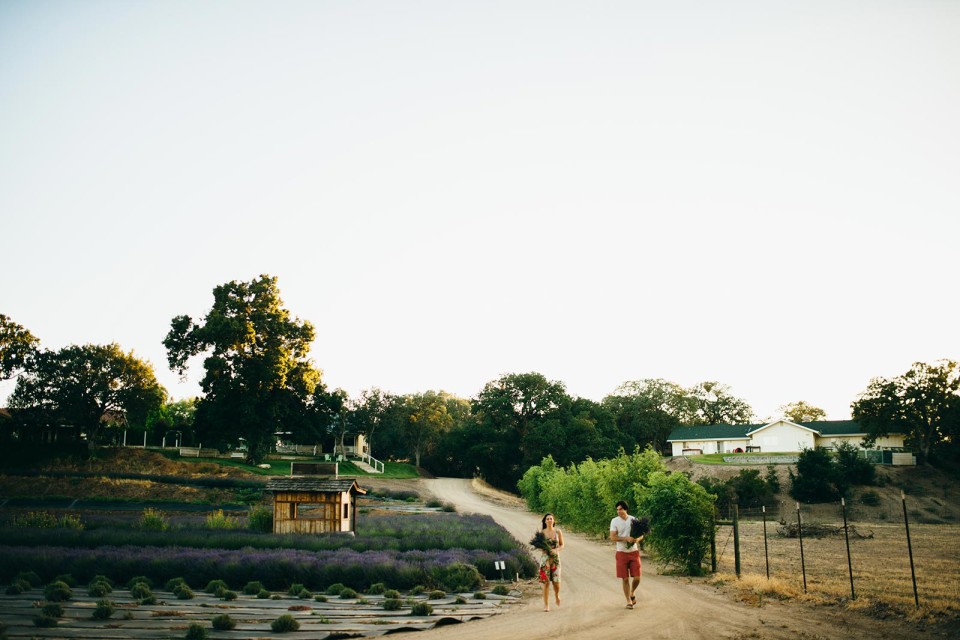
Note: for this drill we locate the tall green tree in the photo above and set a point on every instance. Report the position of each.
(801, 411)
(646, 411)
(427, 420)
(717, 405)
(17, 344)
(923, 404)
(258, 378)
(368, 413)
(84, 386)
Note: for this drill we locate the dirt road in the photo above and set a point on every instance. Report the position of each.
(593, 606)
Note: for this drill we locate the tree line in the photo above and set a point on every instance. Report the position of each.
(259, 381)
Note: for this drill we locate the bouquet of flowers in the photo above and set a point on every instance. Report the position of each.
(639, 527)
(540, 543)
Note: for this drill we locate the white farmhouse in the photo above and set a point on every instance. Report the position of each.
(781, 436)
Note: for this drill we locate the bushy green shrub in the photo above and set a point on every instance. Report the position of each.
(153, 520)
(18, 587)
(260, 518)
(457, 576)
(103, 610)
(30, 577)
(460, 600)
(335, 589)
(421, 609)
(347, 593)
(57, 592)
(436, 594)
(285, 623)
(229, 595)
(172, 583)
(196, 631)
(66, 577)
(253, 587)
(223, 622)
(99, 589)
(214, 585)
(684, 520)
(44, 621)
(501, 590)
(35, 520)
(52, 609)
(140, 590)
(479, 595)
(139, 580)
(263, 594)
(391, 593)
(392, 604)
(183, 592)
(320, 598)
(449, 508)
(218, 520)
(376, 588)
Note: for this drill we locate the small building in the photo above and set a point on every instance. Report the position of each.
(310, 504)
(780, 436)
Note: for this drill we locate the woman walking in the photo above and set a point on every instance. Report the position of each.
(550, 542)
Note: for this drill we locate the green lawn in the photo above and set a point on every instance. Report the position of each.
(718, 458)
(392, 470)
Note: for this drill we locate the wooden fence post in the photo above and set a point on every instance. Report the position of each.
(846, 534)
(803, 566)
(913, 573)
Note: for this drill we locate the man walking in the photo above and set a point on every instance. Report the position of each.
(628, 553)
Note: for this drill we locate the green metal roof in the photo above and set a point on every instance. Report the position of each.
(740, 431)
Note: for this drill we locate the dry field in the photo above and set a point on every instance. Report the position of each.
(881, 567)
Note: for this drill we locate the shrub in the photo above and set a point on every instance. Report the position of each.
(417, 590)
(151, 599)
(57, 592)
(449, 508)
(479, 595)
(18, 587)
(172, 583)
(391, 593)
(376, 588)
(229, 595)
(183, 592)
(457, 576)
(68, 521)
(460, 600)
(104, 609)
(433, 503)
(263, 594)
(421, 609)
(30, 577)
(139, 580)
(223, 622)
(214, 585)
(218, 520)
(66, 577)
(154, 520)
(253, 587)
(52, 609)
(501, 590)
(35, 520)
(260, 519)
(320, 598)
(437, 594)
(99, 589)
(285, 623)
(44, 621)
(335, 589)
(140, 590)
(347, 593)
(392, 604)
(196, 631)
(684, 520)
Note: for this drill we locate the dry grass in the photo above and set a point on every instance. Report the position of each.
(881, 568)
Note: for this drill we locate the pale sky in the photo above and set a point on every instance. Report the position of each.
(761, 193)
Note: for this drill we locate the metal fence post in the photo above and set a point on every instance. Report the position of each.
(736, 538)
(803, 566)
(766, 553)
(913, 573)
(846, 534)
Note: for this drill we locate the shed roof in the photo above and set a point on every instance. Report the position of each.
(321, 485)
(713, 432)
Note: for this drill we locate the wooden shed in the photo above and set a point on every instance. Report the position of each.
(314, 505)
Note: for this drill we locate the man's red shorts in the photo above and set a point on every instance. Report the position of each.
(628, 564)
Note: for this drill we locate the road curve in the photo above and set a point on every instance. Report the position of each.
(592, 601)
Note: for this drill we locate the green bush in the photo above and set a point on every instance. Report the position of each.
(285, 623)
(479, 595)
(139, 580)
(260, 518)
(223, 622)
(335, 589)
(154, 520)
(44, 621)
(52, 609)
(57, 592)
(421, 609)
(18, 587)
(172, 583)
(449, 508)
(436, 594)
(501, 590)
(457, 577)
(99, 589)
(320, 598)
(218, 520)
(460, 600)
(35, 520)
(253, 587)
(103, 610)
(347, 593)
(391, 593)
(149, 600)
(214, 585)
(392, 604)
(66, 577)
(376, 588)
(140, 590)
(196, 631)
(30, 577)
(263, 594)
(183, 592)
(684, 520)
(229, 595)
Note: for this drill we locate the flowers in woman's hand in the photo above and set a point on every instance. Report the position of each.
(639, 526)
(540, 543)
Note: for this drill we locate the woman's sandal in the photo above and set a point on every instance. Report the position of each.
(630, 606)
(633, 599)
